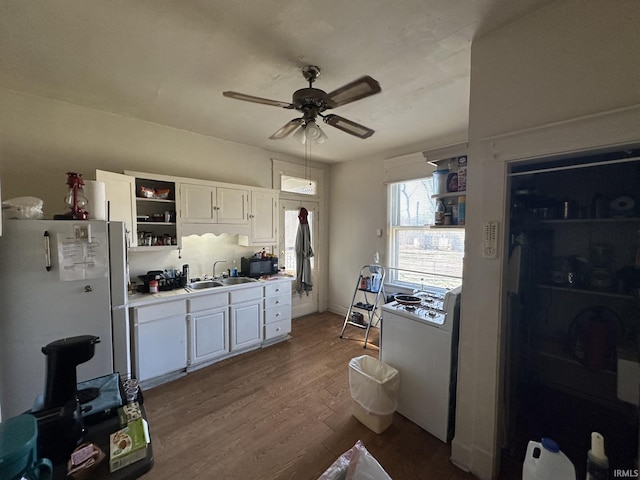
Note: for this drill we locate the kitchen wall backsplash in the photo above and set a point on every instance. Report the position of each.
(199, 251)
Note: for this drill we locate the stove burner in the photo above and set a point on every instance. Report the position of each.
(410, 308)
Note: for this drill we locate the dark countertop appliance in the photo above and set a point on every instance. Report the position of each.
(167, 280)
(257, 267)
(60, 425)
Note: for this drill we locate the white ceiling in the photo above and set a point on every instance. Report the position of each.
(168, 62)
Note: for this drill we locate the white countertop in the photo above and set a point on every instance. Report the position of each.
(141, 299)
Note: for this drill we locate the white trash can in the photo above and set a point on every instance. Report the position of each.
(374, 391)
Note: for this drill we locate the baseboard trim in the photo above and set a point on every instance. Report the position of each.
(472, 460)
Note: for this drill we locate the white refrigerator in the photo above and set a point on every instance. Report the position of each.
(58, 279)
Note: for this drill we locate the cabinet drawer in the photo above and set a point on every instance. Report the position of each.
(207, 302)
(161, 310)
(277, 288)
(276, 314)
(277, 301)
(277, 329)
(246, 294)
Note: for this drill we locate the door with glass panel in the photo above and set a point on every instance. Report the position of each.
(302, 303)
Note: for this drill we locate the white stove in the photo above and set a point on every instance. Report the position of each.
(435, 308)
(421, 342)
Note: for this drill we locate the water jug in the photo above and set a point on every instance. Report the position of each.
(545, 461)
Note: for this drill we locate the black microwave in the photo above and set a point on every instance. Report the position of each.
(257, 267)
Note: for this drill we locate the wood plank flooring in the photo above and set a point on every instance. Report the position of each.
(280, 413)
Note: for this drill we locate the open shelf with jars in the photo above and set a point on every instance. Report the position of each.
(156, 215)
(451, 204)
(449, 187)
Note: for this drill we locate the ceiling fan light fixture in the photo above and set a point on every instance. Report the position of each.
(321, 138)
(313, 132)
(299, 135)
(310, 132)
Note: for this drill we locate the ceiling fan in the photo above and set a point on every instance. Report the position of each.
(311, 102)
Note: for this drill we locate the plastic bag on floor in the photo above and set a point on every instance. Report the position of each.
(355, 464)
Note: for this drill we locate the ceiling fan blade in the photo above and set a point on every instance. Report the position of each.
(251, 98)
(348, 126)
(286, 129)
(360, 88)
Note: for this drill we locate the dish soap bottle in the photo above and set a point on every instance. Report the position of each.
(597, 461)
(234, 271)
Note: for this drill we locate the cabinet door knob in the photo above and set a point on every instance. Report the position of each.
(277, 289)
(277, 314)
(277, 302)
(278, 329)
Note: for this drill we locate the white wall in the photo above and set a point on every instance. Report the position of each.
(357, 208)
(569, 75)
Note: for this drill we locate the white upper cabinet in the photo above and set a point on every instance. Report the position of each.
(264, 217)
(197, 203)
(232, 205)
(210, 204)
(187, 207)
(120, 191)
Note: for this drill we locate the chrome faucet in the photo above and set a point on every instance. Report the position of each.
(214, 266)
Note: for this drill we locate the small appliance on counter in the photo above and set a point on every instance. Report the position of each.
(166, 280)
(258, 266)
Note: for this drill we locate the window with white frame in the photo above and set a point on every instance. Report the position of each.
(418, 254)
(302, 186)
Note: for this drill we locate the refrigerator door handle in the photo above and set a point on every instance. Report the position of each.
(47, 251)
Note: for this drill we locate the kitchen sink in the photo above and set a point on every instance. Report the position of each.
(236, 280)
(204, 284)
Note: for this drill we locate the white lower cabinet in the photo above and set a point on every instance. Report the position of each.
(177, 335)
(160, 339)
(246, 318)
(246, 322)
(277, 310)
(208, 321)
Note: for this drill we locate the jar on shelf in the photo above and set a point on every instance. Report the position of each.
(462, 207)
(441, 209)
(440, 181)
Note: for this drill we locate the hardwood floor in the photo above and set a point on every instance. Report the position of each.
(282, 412)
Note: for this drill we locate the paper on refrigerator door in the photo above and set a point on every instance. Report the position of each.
(83, 258)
